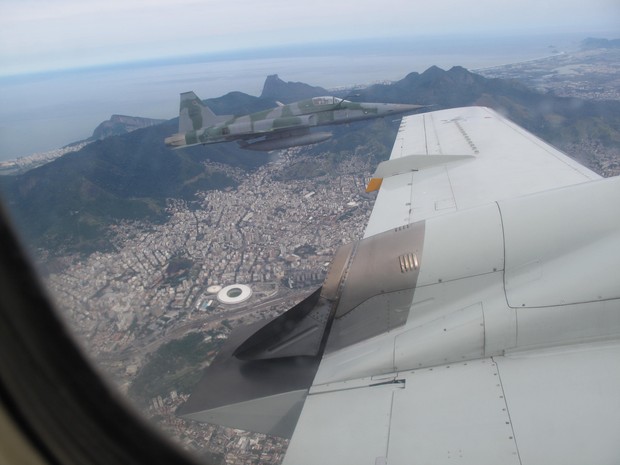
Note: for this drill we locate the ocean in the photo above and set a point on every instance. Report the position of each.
(46, 111)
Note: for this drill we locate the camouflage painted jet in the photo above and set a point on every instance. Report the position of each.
(280, 127)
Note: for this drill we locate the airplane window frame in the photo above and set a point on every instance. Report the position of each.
(56, 400)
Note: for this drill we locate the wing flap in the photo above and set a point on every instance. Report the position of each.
(358, 434)
(555, 407)
(438, 415)
(564, 403)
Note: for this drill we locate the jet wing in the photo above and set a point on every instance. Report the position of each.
(510, 352)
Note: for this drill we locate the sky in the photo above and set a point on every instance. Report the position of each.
(42, 35)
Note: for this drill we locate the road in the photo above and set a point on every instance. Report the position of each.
(138, 350)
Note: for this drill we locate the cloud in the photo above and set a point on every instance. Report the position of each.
(69, 33)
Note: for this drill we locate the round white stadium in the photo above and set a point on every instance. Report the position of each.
(234, 294)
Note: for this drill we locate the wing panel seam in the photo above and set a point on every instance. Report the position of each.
(512, 427)
(425, 134)
(389, 431)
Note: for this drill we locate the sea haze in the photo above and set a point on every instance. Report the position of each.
(46, 111)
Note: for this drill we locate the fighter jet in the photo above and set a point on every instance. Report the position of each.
(277, 128)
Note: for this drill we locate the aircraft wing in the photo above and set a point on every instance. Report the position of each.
(510, 353)
(465, 157)
(477, 321)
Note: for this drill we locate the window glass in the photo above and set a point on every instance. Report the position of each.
(154, 254)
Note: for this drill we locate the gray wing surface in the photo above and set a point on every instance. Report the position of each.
(475, 156)
(510, 352)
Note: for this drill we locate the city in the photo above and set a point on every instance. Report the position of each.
(588, 74)
(277, 237)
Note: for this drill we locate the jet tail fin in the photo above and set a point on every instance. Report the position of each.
(194, 115)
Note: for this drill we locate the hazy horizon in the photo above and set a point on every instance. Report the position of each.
(45, 111)
(38, 35)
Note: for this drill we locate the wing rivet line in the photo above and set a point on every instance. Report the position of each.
(467, 138)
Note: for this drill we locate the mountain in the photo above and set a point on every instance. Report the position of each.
(287, 92)
(591, 43)
(576, 126)
(238, 103)
(121, 124)
(69, 203)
